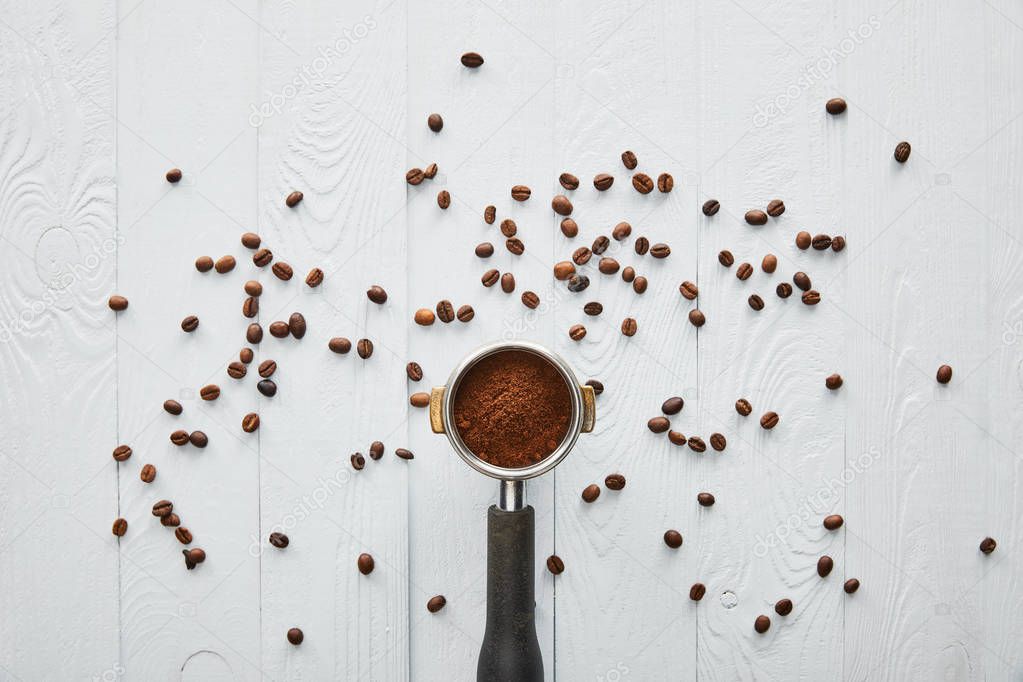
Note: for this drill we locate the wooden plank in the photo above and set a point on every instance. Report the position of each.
(58, 494)
(186, 79)
(333, 79)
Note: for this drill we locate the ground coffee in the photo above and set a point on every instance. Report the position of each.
(512, 409)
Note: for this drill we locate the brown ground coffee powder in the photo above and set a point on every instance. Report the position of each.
(512, 409)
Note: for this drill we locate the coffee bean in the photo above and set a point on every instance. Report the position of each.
(563, 270)
(267, 368)
(224, 264)
(944, 374)
(834, 382)
(365, 563)
(672, 405)
(117, 303)
(267, 387)
(642, 183)
(591, 493)
(580, 256)
(784, 290)
(775, 208)
(172, 407)
(296, 325)
(665, 183)
(620, 232)
(508, 228)
(688, 290)
(744, 271)
(902, 151)
(465, 313)
(295, 636)
(364, 348)
(769, 264)
(608, 266)
(718, 442)
(198, 439)
(294, 199)
(824, 566)
(163, 508)
(237, 370)
(673, 539)
(171, 520)
(148, 473)
(835, 106)
(120, 527)
(435, 122)
(314, 278)
(697, 318)
(209, 392)
(402, 453)
(597, 387)
(614, 482)
(246, 355)
(254, 332)
(756, 217)
(569, 228)
(279, 540)
(250, 422)
(190, 324)
(803, 240)
(833, 522)
(603, 182)
(414, 371)
(642, 246)
(658, 424)
(755, 302)
(783, 607)
(802, 280)
(769, 420)
(507, 282)
(561, 205)
(988, 545)
(424, 317)
(436, 603)
(444, 199)
(250, 307)
(173, 175)
(420, 399)
(743, 407)
(697, 591)
(515, 246)
(339, 345)
(821, 242)
(179, 437)
(183, 535)
(726, 258)
(660, 251)
(569, 181)
(628, 274)
(251, 240)
(262, 257)
(376, 450)
(601, 243)
(762, 624)
(445, 311)
(203, 263)
(122, 453)
(639, 285)
(576, 332)
(851, 585)
(193, 557)
(520, 193)
(677, 438)
(837, 243)
(485, 250)
(705, 499)
(593, 308)
(577, 283)
(282, 271)
(696, 444)
(472, 60)
(414, 176)
(430, 172)
(629, 159)
(530, 300)
(358, 461)
(555, 564)
(811, 297)
(710, 207)
(490, 278)
(490, 214)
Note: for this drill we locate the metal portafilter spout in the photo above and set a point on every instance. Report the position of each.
(510, 650)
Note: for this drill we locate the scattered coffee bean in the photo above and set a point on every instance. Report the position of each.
(555, 564)
(237, 370)
(705, 499)
(639, 285)
(597, 387)
(520, 193)
(755, 302)
(203, 263)
(424, 317)
(250, 422)
(629, 159)
(171, 520)
(365, 563)
(688, 290)
(279, 540)
(420, 399)
(209, 392)
(190, 324)
(677, 438)
(507, 282)
(802, 280)
(251, 240)
(339, 345)
(561, 205)
(726, 258)
(642, 246)
(179, 437)
(436, 603)
(414, 176)
(580, 256)
(472, 60)
(824, 566)
(490, 278)
(673, 405)
(603, 182)
(254, 333)
(718, 442)
(193, 557)
(530, 300)
(756, 217)
(183, 535)
(120, 527)
(944, 374)
(414, 371)
(444, 199)
(402, 453)
(803, 240)
(224, 264)
(769, 420)
(376, 450)
(591, 493)
(620, 232)
(743, 407)
(762, 624)
(665, 183)
(358, 461)
(811, 297)
(577, 283)
(314, 278)
(769, 264)
(658, 424)
(490, 214)
(834, 382)
(173, 176)
(485, 250)
(835, 106)
(198, 439)
(628, 274)
(295, 636)
(569, 228)
(601, 243)
(267, 387)
(833, 522)
(515, 246)
(262, 258)
(660, 251)
(697, 318)
(445, 311)
(608, 266)
(148, 473)
(294, 199)
(988, 545)
(697, 591)
(783, 607)
(837, 243)
(821, 242)
(172, 407)
(673, 539)
(711, 207)
(851, 585)
(784, 290)
(250, 307)
(297, 325)
(465, 313)
(117, 303)
(282, 271)
(744, 271)
(614, 482)
(642, 183)
(435, 122)
(267, 368)
(569, 181)
(430, 172)
(775, 208)
(576, 332)
(163, 508)
(902, 151)
(364, 348)
(696, 444)
(246, 355)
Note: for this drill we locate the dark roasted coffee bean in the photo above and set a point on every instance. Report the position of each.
(198, 439)
(376, 450)
(688, 290)
(555, 564)
(179, 437)
(660, 250)
(726, 258)
(251, 240)
(190, 323)
(172, 407)
(163, 508)
(250, 307)
(601, 243)
(988, 545)
(696, 444)
(364, 348)
(769, 264)
(673, 539)
(237, 370)
(490, 214)
(484, 250)
(851, 585)
(784, 290)
(507, 282)
(710, 207)
(414, 176)
(295, 636)
(209, 392)
(665, 183)
(294, 199)
(183, 535)
(756, 217)
(802, 280)
(577, 283)
(490, 278)
(591, 493)
(837, 243)
(673, 405)
(435, 122)
(278, 329)
(569, 228)
(430, 172)
(282, 271)
(296, 325)
(803, 240)
(267, 387)
(775, 208)
(520, 193)
(697, 318)
(628, 274)
(576, 332)
(603, 182)
(811, 297)
(658, 424)
(629, 159)
(744, 271)
(436, 603)
(677, 438)
(530, 300)
(568, 181)
(365, 563)
(414, 371)
(377, 294)
(171, 520)
(224, 264)
(508, 228)
(620, 232)
(582, 256)
(445, 311)
(762, 624)
(835, 106)
(279, 540)
(783, 607)
(642, 246)
(465, 313)
(122, 453)
(339, 345)
(515, 246)
(597, 387)
(444, 199)
(642, 183)
(561, 205)
(608, 266)
(472, 60)
(117, 303)
(262, 257)
(697, 591)
(902, 151)
(743, 407)
(614, 482)
(203, 263)
(173, 176)
(253, 334)
(769, 420)
(250, 422)
(358, 461)
(755, 302)
(420, 399)
(314, 278)
(834, 382)
(267, 368)
(824, 566)
(833, 521)
(402, 453)
(705, 499)
(821, 242)
(120, 527)
(148, 473)
(944, 374)
(593, 308)
(639, 285)
(718, 442)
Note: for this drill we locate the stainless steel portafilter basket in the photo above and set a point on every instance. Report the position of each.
(510, 651)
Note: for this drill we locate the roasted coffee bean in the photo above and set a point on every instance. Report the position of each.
(811, 297)
(444, 199)
(803, 240)
(465, 313)
(364, 348)
(824, 566)
(769, 420)
(726, 258)
(710, 207)
(402, 453)
(120, 527)
(603, 182)
(193, 557)
(697, 318)
(253, 288)
(414, 176)
(435, 122)
(658, 424)
(593, 308)
(250, 307)
(705, 499)
(833, 521)
(756, 217)
(365, 563)
(755, 302)
(677, 438)
(163, 508)
(660, 250)
(569, 228)
(282, 271)
(295, 636)
(472, 60)
(171, 520)
(296, 325)
(267, 368)
(314, 278)
(224, 264)
(173, 176)
(581, 256)
(203, 263)
(620, 232)
(576, 332)
(673, 539)
(237, 370)
(851, 585)
(762, 624)
(902, 151)
(568, 181)
(117, 303)
(783, 607)
(376, 450)
(837, 243)
(769, 264)
(665, 183)
(358, 461)
(209, 392)
(515, 246)
(148, 473)
(821, 242)
(530, 300)
(507, 282)
(743, 407)
(190, 324)
(614, 482)
(279, 540)
(608, 266)
(834, 382)
(563, 270)
(445, 311)
(988, 545)
(250, 422)
(490, 278)
(122, 453)
(555, 564)
(718, 442)
(414, 371)
(744, 271)
(179, 437)
(601, 243)
(508, 228)
(597, 387)
(775, 208)
(697, 591)
(591, 493)
(294, 199)
(642, 183)
(628, 274)
(696, 444)
(835, 106)
(784, 290)
(673, 405)
(629, 159)
(561, 205)
(421, 399)
(642, 246)
(639, 285)
(944, 374)
(688, 290)
(577, 283)
(424, 317)
(183, 535)
(251, 240)
(520, 193)
(339, 345)
(262, 257)
(198, 439)
(267, 387)
(485, 250)
(802, 280)
(436, 603)
(172, 407)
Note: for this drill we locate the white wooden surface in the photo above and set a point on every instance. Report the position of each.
(255, 98)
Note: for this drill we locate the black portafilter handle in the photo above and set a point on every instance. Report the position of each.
(510, 651)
